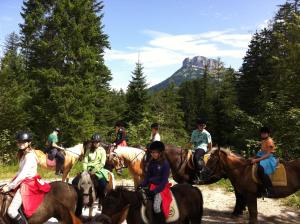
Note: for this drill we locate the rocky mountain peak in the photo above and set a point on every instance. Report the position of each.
(199, 62)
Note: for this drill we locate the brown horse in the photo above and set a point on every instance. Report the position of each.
(122, 201)
(72, 155)
(59, 203)
(239, 171)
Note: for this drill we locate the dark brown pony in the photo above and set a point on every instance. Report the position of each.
(59, 203)
(121, 200)
(239, 171)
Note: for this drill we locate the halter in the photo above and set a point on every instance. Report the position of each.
(222, 173)
(120, 159)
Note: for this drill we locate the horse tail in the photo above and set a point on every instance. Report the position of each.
(75, 219)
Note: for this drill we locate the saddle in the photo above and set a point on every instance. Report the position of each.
(173, 214)
(190, 159)
(278, 178)
(7, 199)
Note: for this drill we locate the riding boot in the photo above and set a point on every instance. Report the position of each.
(266, 182)
(59, 166)
(159, 218)
(19, 220)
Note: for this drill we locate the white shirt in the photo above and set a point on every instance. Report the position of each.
(27, 169)
(156, 137)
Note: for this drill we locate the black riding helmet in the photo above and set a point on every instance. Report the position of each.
(119, 124)
(157, 145)
(23, 136)
(96, 137)
(155, 125)
(265, 130)
(57, 129)
(201, 121)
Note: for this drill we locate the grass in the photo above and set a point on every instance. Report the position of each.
(293, 200)
(8, 171)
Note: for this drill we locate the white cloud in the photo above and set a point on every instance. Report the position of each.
(165, 49)
(264, 24)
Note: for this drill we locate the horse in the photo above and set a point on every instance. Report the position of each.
(72, 155)
(88, 191)
(122, 201)
(123, 157)
(59, 202)
(180, 161)
(222, 164)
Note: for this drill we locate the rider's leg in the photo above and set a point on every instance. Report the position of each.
(52, 153)
(198, 161)
(13, 209)
(60, 159)
(265, 180)
(159, 216)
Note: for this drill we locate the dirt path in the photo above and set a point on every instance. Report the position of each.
(219, 204)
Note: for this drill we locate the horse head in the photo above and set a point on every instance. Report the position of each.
(116, 204)
(87, 188)
(215, 166)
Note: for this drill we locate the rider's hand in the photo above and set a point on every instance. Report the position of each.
(5, 189)
(254, 161)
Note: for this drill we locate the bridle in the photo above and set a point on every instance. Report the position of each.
(223, 169)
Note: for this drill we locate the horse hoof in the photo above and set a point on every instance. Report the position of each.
(236, 214)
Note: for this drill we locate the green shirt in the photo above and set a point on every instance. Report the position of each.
(95, 161)
(52, 138)
(201, 139)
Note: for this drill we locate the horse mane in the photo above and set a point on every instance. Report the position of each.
(130, 153)
(75, 150)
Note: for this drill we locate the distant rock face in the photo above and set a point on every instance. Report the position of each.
(192, 68)
(199, 62)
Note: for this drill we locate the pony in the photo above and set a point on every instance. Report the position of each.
(122, 201)
(88, 191)
(123, 157)
(59, 202)
(225, 164)
(72, 155)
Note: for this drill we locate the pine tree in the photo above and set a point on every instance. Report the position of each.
(136, 96)
(14, 92)
(63, 43)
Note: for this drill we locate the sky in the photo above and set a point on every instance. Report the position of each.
(162, 33)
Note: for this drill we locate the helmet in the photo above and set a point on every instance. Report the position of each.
(265, 130)
(96, 137)
(157, 145)
(119, 124)
(201, 121)
(24, 136)
(155, 125)
(57, 129)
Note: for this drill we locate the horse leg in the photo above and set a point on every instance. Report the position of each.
(252, 208)
(240, 204)
(90, 212)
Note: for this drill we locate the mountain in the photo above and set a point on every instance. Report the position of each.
(192, 68)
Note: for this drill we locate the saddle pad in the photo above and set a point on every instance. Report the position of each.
(278, 178)
(50, 163)
(173, 214)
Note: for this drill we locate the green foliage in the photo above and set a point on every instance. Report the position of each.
(136, 96)
(63, 44)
